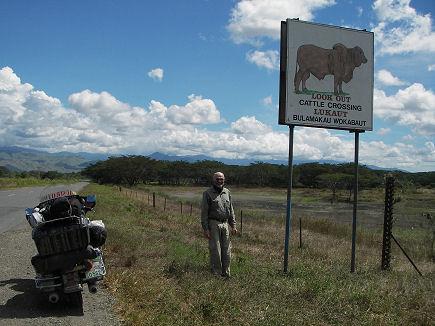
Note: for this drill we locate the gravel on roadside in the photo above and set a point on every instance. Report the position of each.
(22, 304)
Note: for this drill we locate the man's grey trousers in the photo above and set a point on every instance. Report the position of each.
(219, 246)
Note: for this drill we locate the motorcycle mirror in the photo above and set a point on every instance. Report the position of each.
(91, 200)
(29, 211)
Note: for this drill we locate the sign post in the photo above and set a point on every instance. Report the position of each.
(326, 81)
(355, 203)
(289, 197)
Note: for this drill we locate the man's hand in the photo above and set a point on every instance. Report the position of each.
(207, 234)
(234, 231)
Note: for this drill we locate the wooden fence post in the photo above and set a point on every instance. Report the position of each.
(241, 221)
(300, 232)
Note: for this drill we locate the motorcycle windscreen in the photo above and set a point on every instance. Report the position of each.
(57, 191)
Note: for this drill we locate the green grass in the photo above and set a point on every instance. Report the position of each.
(158, 271)
(13, 183)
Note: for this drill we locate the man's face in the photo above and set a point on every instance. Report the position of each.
(219, 180)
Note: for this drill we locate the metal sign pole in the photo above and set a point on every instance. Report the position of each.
(355, 202)
(289, 197)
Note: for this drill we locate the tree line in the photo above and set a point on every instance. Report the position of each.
(52, 175)
(132, 170)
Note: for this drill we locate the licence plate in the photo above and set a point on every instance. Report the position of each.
(98, 270)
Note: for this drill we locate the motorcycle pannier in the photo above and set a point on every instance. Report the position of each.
(63, 236)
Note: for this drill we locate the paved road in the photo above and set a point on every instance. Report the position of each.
(21, 304)
(14, 202)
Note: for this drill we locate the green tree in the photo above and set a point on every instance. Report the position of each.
(309, 172)
(205, 169)
(333, 181)
(50, 175)
(4, 172)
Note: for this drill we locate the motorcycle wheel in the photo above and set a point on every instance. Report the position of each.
(75, 299)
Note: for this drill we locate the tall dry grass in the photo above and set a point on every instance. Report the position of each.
(158, 271)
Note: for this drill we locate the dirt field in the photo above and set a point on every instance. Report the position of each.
(410, 210)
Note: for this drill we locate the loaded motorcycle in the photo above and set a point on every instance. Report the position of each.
(68, 243)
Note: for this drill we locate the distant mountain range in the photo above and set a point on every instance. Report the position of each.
(23, 159)
(194, 158)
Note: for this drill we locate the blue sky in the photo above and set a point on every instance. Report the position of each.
(202, 77)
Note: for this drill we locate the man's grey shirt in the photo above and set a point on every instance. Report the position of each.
(217, 206)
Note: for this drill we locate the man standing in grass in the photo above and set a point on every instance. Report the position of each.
(216, 213)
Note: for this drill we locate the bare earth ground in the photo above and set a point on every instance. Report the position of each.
(22, 304)
(409, 212)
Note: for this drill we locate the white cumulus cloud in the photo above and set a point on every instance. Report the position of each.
(156, 74)
(267, 101)
(399, 155)
(401, 29)
(100, 123)
(412, 106)
(197, 111)
(88, 102)
(408, 138)
(386, 78)
(252, 20)
(96, 122)
(249, 125)
(266, 59)
(383, 131)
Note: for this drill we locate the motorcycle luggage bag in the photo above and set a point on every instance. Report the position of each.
(97, 233)
(59, 208)
(49, 264)
(61, 235)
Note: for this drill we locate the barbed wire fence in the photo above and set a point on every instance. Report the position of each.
(176, 206)
(163, 203)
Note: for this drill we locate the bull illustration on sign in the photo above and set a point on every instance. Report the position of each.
(338, 61)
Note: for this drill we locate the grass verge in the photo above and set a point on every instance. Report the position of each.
(158, 271)
(13, 183)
